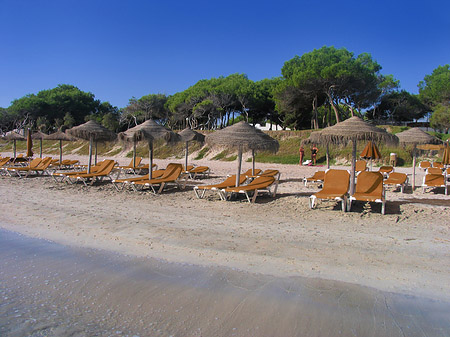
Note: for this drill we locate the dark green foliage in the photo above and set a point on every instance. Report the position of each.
(398, 107)
(64, 105)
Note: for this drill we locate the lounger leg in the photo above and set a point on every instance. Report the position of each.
(223, 195)
(344, 204)
(383, 207)
(254, 196)
(275, 189)
(196, 192)
(312, 199)
(161, 188)
(349, 207)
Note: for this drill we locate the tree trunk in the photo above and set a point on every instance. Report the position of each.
(336, 112)
(315, 121)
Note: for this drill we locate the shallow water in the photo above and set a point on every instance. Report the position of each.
(50, 290)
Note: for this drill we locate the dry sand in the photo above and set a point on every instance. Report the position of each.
(405, 251)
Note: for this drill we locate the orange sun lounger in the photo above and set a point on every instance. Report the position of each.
(103, 172)
(335, 187)
(197, 171)
(317, 177)
(259, 184)
(369, 187)
(434, 180)
(229, 182)
(171, 175)
(398, 180)
(15, 169)
(129, 181)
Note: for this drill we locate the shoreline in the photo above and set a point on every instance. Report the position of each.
(404, 251)
(103, 293)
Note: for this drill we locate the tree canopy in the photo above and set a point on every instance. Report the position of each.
(335, 77)
(315, 90)
(65, 104)
(434, 91)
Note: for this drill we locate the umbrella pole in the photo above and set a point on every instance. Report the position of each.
(95, 153)
(352, 173)
(60, 153)
(40, 153)
(150, 155)
(238, 175)
(134, 153)
(413, 185)
(186, 156)
(328, 157)
(253, 162)
(91, 141)
(14, 149)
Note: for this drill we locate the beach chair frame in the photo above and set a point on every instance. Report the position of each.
(368, 198)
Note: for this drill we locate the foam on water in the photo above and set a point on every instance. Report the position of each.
(51, 290)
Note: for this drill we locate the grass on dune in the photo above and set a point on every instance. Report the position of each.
(288, 152)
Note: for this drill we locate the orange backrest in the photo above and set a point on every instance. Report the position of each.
(360, 165)
(434, 170)
(35, 162)
(101, 167)
(172, 172)
(434, 180)
(396, 178)
(369, 183)
(249, 172)
(424, 164)
(438, 165)
(231, 181)
(269, 173)
(385, 169)
(109, 165)
(336, 181)
(45, 163)
(138, 161)
(260, 182)
(4, 161)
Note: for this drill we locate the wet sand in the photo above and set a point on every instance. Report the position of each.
(52, 290)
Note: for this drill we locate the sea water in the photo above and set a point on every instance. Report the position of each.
(48, 289)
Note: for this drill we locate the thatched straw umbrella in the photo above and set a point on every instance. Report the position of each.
(29, 144)
(188, 135)
(370, 152)
(414, 137)
(354, 129)
(149, 130)
(59, 135)
(93, 132)
(39, 135)
(243, 137)
(14, 136)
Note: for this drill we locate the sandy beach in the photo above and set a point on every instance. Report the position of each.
(405, 251)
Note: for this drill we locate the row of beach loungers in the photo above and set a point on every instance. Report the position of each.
(370, 186)
(251, 183)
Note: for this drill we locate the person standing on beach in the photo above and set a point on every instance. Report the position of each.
(302, 154)
(314, 151)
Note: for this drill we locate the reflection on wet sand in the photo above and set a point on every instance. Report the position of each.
(51, 290)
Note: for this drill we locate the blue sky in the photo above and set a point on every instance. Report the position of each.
(119, 49)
